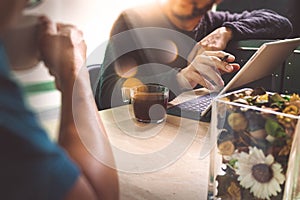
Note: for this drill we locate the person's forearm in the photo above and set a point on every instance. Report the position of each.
(83, 136)
(260, 24)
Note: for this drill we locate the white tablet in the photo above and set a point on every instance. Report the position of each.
(262, 63)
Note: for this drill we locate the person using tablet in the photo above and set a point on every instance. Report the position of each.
(178, 26)
(32, 166)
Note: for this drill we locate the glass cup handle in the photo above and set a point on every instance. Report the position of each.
(126, 97)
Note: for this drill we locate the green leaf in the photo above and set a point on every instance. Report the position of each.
(276, 98)
(232, 162)
(274, 128)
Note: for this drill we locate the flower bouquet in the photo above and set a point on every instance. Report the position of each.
(255, 132)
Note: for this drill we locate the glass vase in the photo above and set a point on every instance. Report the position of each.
(256, 151)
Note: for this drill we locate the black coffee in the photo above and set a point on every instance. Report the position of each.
(149, 107)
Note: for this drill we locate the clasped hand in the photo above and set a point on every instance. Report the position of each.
(63, 51)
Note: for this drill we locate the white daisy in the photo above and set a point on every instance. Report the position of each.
(260, 174)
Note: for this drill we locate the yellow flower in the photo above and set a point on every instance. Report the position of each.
(237, 121)
(291, 109)
(294, 97)
(226, 148)
(287, 121)
(262, 98)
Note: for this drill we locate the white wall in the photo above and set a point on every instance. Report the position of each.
(94, 17)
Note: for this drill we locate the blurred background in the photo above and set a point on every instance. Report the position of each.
(95, 18)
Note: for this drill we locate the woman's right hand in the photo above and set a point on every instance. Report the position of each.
(206, 69)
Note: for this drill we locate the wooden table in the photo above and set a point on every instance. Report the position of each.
(155, 162)
(158, 161)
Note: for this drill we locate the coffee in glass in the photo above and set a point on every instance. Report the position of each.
(150, 102)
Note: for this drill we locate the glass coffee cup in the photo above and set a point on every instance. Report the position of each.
(149, 102)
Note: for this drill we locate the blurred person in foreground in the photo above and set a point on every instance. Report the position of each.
(33, 167)
(178, 43)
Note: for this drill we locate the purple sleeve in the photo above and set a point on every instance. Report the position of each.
(257, 24)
